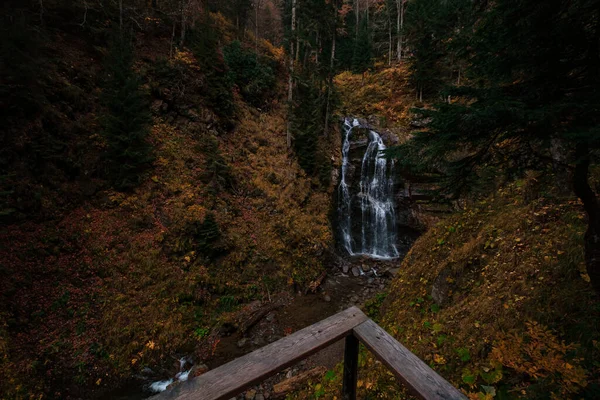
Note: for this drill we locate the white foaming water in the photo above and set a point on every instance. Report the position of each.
(377, 237)
(160, 386)
(181, 376)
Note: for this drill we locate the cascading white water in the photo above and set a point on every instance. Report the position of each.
(182, 376)
(377, 235)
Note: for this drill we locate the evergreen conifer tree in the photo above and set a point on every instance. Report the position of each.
(207, 234)
(126, 120)
(534, 78)
(363, 52)
(204, 42)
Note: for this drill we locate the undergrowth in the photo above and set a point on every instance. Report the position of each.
(384, 93)
(514, 315)
(123, 280)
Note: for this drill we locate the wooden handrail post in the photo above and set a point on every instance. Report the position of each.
(350, 368)
(233, 378)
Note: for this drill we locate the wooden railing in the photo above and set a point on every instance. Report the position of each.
(233, 378)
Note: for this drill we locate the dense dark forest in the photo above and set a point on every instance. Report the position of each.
(183, 182)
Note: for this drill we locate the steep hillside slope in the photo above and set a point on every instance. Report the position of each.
(494, 296)
(496, 299)
(97, 284)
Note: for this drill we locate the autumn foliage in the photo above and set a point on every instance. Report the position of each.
(120, 280)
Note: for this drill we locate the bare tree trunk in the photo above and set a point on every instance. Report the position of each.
(331, 71)
(121, 18)
(306, 53)
(318, 48)
(172, 42)
(183, 23)
(559, 154)
(583, 190)
(581, 184)
(298, 44)
(400, 26)
(256, 25)
(291, 78)
(458, 80)
(42, 12)
(357, 12)
(390, 44)
(82, 24)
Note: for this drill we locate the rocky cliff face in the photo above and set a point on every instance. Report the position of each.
(406, 219)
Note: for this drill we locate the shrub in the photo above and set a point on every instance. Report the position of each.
(217, 172)
(251, 74)
(204, 43)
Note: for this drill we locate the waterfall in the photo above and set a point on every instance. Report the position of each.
(376, 235)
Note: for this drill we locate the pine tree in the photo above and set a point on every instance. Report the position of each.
(363, 51)
(531, 82)
(204, 42)
(307, 121)
(424, 32)
(125, 122)
(207, 234)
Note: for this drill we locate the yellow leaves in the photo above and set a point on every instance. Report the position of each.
(366, 384)
(439, 359)
(481, 396)
(541, 355)
(134, 361)
(195, 213)
(161, 162)
(151, 345)
(99, 381)
(568, 366)
(186, 58)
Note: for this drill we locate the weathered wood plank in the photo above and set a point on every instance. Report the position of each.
(232, 378)
(421, 380)
(350, 368)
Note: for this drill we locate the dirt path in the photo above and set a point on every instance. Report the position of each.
(339, 291)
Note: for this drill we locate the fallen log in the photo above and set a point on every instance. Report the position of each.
(296, 382)
(259, 314)
(314, 285)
